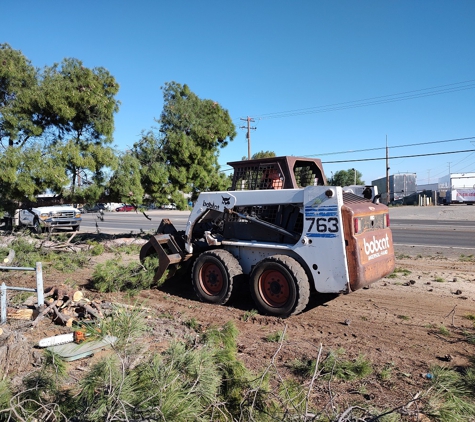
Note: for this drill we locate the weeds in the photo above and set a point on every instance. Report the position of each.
(347, 370)
(470, 337)
(397, 271)
(20, 297)
(249, 315)
(385, 374)
(404, 317)
(166, 315)
(193, 324)
(276, 337)
(444, 331)
(302, 367)
(467, 258)
(439, 280)
(402, 271)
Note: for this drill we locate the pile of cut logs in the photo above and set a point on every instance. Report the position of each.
(64, 305)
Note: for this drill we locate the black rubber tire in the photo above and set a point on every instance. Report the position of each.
(214, 275)
(279, 286)
(75, 228)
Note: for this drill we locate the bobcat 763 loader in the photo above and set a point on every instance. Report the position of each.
(282, 230)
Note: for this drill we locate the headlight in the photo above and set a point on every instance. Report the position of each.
(44, 215)
(78, 215)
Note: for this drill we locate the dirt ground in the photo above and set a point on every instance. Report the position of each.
(403, 324)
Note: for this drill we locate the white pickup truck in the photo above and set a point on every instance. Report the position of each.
(48, 218)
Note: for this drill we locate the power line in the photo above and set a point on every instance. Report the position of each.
(401, 156)
(402, 96)
(383, 158)
(471, 165)
(391, 147)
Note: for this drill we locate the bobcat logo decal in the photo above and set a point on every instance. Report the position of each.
(226, 201)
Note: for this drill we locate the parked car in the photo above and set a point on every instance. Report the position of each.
(94, 208)
(125, 208)
(168, 207)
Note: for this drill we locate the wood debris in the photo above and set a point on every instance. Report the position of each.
(65, 306)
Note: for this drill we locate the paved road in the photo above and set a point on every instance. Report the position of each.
(437, 234)
(443, 227)
(435, 227)
(126, 222)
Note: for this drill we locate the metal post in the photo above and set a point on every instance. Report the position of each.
(388, 199)
(39, 284)
(3, 303)
(248, 135)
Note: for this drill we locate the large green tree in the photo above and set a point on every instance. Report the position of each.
(26, 169)
(346, 178)
(25, 173)
(56, 127)
(81, 104)
(182, 156)
(193, 131)
(19, 93)
(260, 154)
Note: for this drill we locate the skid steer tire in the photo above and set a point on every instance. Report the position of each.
(279, 286)
(214, 275)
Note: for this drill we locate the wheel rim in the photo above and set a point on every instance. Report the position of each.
(211, 279)
(274, 288)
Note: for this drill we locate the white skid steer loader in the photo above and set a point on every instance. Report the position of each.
(281, 230)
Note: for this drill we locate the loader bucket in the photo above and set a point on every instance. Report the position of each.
(168, 249)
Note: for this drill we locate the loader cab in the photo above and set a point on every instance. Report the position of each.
(285, 172)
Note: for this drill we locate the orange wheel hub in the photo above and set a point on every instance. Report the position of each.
(274, 288)
(211, 279)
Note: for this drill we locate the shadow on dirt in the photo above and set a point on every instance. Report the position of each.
(181, 286)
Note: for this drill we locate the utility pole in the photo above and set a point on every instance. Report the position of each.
(449, 167)
(388, 199)
(248, 135)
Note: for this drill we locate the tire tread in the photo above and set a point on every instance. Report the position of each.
(301, 278)
(230, 263)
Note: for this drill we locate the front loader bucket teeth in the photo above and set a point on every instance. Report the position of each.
(169, 253)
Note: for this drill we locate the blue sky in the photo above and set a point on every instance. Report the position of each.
(286, 64)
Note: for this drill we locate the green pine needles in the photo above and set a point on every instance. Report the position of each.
(202, 381)
(112, 276)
